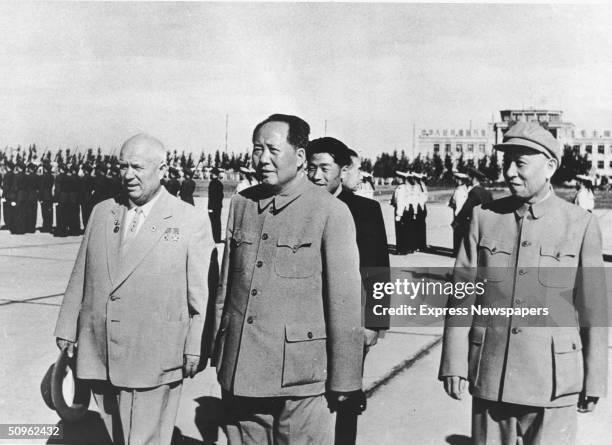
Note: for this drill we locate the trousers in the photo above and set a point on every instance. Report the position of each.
(278, 420)
(500, 423)
(138, 416)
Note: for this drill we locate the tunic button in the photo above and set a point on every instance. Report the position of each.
(525, 244)
(574, 346)
(494, 249)
(522, 272)
(254, 292)
(264, 236)
(518, 301)
(310, 336)
(259, 263)
(250, 320)
(515, 330)
(114, 297)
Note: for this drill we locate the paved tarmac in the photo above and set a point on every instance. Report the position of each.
(406, 404)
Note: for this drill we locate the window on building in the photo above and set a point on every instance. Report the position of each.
(436, 148)
(607, 133)
(610, 164)
(600, 164)
(459, 148)
(577, 148)
(600, 149)
(481, 148)
(470, 148)
(589, 149)
(447, 148)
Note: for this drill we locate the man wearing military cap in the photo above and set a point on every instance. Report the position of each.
(531, 250)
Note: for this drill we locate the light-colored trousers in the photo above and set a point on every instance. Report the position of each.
(138, 416)
(278, 420)
(499, 423)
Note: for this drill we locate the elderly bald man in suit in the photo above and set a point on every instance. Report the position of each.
(135, 302)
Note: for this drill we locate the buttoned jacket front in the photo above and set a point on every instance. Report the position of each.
(288, 305)
(136, 310)
(548, 257)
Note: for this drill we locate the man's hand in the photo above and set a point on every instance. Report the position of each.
(455, 386)
(348, 402)
(586, 404)
(370, 337)
(190, 365)
(65, 345)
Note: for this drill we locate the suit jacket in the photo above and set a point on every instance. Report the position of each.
(287, 320)
(134, 314)
(373, 252)
(552, 260)
(215, 194)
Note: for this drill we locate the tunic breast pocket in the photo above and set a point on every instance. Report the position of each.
(493, 258)
(294, 257)
(242, 253)
(558, 265)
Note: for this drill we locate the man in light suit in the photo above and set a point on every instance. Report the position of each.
(532, 250)
(287, 316)
(134, 305)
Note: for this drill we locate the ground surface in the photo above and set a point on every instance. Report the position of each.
(406, 406)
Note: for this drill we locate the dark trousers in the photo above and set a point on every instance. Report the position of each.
(30, 211)
(7, 214)
(46, 211)
(60, 223)
(18, 223)
(215, 223)
(86, 208)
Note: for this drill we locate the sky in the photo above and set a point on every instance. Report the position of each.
(93, 74)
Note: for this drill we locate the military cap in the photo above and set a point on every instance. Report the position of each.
(215, 171)
(477, 173)
(531, 135)
(401, 174)
(585, 178)
(460, 175)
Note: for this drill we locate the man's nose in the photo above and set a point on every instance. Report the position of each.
(264, 157)
(317, 175)
(511, 169)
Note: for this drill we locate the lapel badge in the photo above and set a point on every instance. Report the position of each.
(175, 234)
(116, 229)
(153, 228)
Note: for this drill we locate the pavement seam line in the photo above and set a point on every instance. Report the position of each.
(6, 301)
(401, 367)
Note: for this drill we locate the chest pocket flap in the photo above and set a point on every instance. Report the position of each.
(494, 258)
(242, 255)
(294, 257)
(558, 251)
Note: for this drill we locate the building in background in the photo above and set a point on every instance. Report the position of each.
(477, 143)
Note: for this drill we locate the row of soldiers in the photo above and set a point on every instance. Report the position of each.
(72, 190)
(409, 200)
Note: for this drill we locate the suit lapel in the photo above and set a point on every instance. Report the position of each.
(114, 225)
(148, 236)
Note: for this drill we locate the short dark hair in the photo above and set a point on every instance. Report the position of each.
(298, 133)
(332, 146)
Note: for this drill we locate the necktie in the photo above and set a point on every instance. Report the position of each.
(133, 229)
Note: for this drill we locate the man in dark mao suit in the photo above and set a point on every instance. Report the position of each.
(215, 203)
(331, 164)
(287, 316)
(136, 298)
(533, 250)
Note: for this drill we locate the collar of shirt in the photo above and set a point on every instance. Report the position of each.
(286, 197)
(146, 209)
(537, 209)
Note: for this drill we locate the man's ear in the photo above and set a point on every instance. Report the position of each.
(161, 170)
(552, 164)
(301, 157)
(343, 172)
